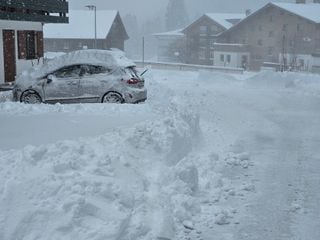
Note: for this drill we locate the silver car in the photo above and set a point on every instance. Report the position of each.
(85, 76)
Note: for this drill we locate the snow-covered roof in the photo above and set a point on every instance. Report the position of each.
(310, 11)
(175, 33)
(110, 59)
(226, 20)
(81, 25)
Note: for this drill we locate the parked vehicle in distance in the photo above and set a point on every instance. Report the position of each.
(85, 76)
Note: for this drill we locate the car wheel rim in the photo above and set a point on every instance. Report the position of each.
(113, 98)
(31, 98)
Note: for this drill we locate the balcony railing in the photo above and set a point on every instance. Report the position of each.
(46, 11)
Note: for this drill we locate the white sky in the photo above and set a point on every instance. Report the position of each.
(145, 9)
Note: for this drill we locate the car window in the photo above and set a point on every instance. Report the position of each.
(67, 72)
(93, 69)
(132, 71)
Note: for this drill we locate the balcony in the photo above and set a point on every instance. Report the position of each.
(45, 11)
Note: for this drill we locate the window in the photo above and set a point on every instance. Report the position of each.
(284, 27)
(212, 43)
(211, 55)
(228, 58)
(301, 62)
(68, 72)
(271, 18)
(221, 58)
(298, 27)
(244, 61)
(203, 42)
(30, 44)
(132, 71)
(270, 51)
(214, 29)
(260, 42)
(91, 69)
(203, 30)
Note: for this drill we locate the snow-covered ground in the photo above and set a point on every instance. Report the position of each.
(208, 156)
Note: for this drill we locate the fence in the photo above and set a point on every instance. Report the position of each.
(188, 67)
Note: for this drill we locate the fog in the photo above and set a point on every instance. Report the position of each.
(145, 9)
(142, 18)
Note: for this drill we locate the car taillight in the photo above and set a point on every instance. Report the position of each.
(132, 81)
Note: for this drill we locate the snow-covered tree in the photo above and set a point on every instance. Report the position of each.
(176, 15)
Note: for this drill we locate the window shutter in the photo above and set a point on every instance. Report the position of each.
(39, 36)
(22, 45)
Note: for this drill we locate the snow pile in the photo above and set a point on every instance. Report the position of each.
(287, 80)
(5, 96)
(217, 78)
(135, 183)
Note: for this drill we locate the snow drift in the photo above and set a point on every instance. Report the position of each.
(125, 184)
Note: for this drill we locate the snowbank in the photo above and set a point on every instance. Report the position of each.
(148, 171)
(125, 184)
(287, 80)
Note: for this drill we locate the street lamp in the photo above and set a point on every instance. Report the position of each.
(94, 8)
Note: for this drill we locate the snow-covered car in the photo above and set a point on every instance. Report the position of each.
(81, 77)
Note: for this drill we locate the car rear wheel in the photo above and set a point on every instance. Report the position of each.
(30, 97)
(112, 97)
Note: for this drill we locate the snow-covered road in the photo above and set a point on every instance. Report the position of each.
(287, 169)
(208, 156)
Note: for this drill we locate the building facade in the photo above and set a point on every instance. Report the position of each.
(171, 46)
(195, 43)
(231, 55)
(203, 33)
(21, 33)
(80, 32)
(285, 35)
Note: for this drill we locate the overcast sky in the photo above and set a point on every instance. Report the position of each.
(145, 9)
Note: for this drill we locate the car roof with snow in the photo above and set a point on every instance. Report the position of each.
(106, 58)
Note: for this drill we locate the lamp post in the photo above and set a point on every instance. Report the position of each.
(94, 8)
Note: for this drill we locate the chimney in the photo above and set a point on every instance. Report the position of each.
(301, 1)
(248, 12)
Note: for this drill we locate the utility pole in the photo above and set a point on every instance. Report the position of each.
(283, 54)
(143, 51)
(94, 8)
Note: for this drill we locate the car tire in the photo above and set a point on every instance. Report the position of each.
(112, 97)
(30, 97)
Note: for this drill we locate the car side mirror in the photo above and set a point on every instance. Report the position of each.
(50, 78)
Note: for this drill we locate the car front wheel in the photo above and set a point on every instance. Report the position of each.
(30, 97)
(112, 97)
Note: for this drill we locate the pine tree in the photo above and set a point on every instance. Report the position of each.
(176, 15)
